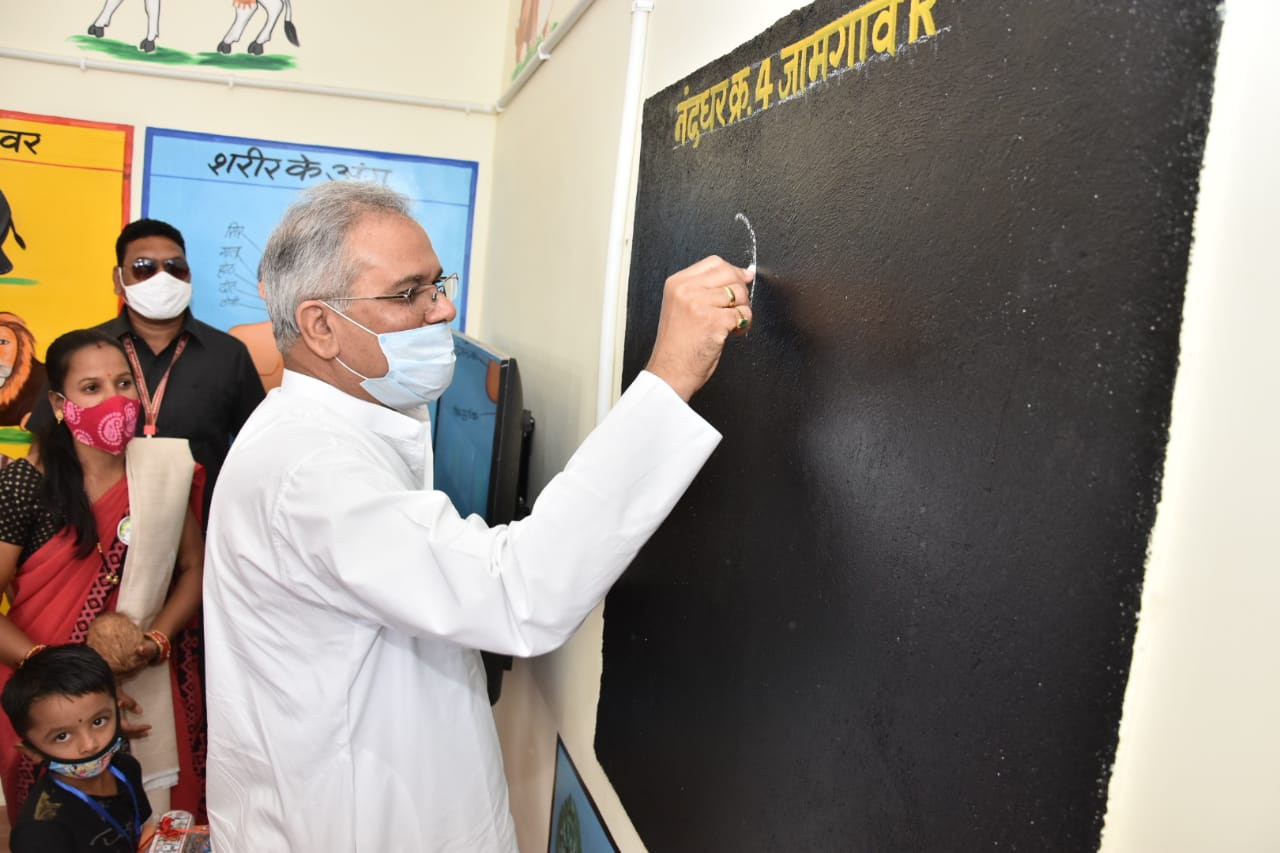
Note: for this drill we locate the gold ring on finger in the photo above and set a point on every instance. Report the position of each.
(743, 322)
(733, 297)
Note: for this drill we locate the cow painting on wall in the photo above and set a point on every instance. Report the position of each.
(533, 25)
(148, 45)
(244, 10)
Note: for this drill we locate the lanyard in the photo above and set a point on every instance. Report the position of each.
(149, 405)
(103, 813)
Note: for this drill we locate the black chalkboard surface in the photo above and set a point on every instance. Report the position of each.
(895, 612)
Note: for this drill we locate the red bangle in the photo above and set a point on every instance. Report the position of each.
(161, 641)
(34, 650)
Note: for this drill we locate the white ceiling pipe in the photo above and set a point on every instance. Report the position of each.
(231, 81)
(631, 104)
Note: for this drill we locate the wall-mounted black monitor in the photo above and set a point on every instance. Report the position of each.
(480, 435)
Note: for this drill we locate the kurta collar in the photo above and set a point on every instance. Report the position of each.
(408, 436)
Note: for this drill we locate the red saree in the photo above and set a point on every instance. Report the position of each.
(56, 595)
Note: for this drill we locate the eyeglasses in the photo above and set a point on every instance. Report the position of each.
(145, 268)
(433, 290)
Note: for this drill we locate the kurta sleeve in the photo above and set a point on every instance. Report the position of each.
(404, 558)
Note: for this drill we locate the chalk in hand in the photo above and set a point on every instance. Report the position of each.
(751, 268)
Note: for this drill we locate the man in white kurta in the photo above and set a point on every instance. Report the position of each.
(344, 598)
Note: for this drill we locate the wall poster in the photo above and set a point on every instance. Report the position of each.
(64, 195)
(226, 193)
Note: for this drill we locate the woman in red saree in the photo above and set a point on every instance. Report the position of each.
(64, 533)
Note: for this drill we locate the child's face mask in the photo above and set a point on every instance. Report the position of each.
(94, 765)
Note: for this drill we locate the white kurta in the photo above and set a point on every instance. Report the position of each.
(343, 599)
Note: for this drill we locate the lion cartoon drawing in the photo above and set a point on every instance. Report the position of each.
(21, 374)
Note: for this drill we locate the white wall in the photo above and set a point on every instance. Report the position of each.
(444, 50)
(553, 177)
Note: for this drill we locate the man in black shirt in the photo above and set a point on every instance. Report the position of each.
(195, 382)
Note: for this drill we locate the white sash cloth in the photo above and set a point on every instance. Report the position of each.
(159, 471)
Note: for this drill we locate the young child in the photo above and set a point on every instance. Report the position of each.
(62, 701)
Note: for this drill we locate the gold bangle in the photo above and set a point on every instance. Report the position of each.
(34, 650)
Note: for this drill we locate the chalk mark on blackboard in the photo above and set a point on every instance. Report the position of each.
(742, 217)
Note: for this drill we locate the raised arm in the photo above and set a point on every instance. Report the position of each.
(702, 305)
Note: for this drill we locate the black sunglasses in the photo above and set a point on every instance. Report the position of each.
(144, 268)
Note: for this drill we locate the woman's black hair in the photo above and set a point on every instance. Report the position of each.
(73, 669)
(62, 490)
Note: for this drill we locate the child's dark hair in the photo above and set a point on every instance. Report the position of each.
(62, 490)
(140, 228)
(70, 670)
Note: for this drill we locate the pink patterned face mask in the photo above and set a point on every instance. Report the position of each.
(107, 426)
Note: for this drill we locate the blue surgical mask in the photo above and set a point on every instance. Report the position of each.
(419, 365)
(88, 768)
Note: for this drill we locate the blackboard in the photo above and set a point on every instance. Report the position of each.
(895, 611)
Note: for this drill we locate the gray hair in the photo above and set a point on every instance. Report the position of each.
(306, 258)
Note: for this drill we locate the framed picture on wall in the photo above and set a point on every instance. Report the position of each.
(64, 193)
(576, 825)
(226, 194)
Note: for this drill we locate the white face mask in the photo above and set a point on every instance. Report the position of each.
(419, 365)
(161, 297)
